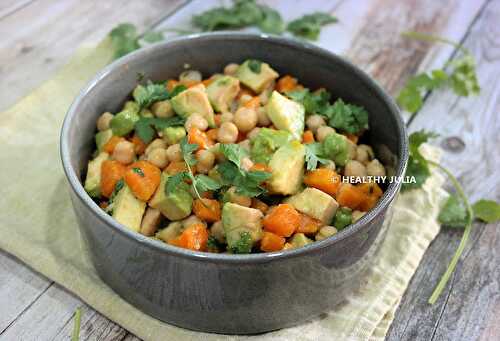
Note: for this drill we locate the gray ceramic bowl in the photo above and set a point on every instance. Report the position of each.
(236, 294)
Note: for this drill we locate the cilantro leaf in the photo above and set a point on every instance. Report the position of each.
(249, 184)
(487, 210)
(124, 39)
(254, 65)
(146, 125)
(187, 150)
(453, 213)
(271, 21)
(233, 152)
(313, 155)
(177, 90)
(213, 244)
(348, 117)
(417, 165)
(153, 37)
(411, 96)
(244, 244)
(463, 77)
(309, 26)
(175, 181)
(139, 171)
(205, 183)
(147, 95)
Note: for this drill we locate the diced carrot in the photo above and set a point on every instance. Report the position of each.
(253, 103)
(207, 195)
(260, 167)
(308, 224)
(286, 83)
(139, 145)
(212, 134)
(368, 203)
(353, 138)
(103, 204)
(194, 237)
(271, 242)
(207, 81)
(324, 179)
(208, 210)
(308, 137)
(143, 178)
(217, 119)
(260, 205)
(111, 172)
(282, 220)
(111, 144)
(350, 196)
(175, 167)
(190, 83)
(371, 188)
(171, 84)
(197, 136)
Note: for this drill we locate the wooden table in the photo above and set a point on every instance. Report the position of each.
(38, 36)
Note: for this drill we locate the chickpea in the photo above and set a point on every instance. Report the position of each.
(246, 163)
(217, 230)
(191, 220)
(162, 109)
(245, 98)
(156, 143)
(245, 144)
(103, 121)
(313, 122)
(216, 151)
(375, 168)
(245, 119)
(150, 221)
(354, 168)
(325, 232)
(174, 153)
(264, 95)
(262, 117)
(260, 205)
(197, 121)
(226, 117)
(237, 198)
(364, 153)
(351, 149)
(206, 161)
(124, 152)
(190, 76)
(227, 133)
(231, 69)
(253, 133)
(158, 157)
(356, 215)
(322, 132)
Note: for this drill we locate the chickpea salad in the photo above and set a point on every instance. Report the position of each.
(244, 161)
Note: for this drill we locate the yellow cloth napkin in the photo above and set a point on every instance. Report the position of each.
(37, 224)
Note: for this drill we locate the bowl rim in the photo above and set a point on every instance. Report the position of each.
(160, 246)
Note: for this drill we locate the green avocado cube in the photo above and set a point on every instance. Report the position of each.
(128, 210)
(173, 135)
(337, 148)
(287, 166)
(315, 203)
(102, 137)
(299, 240)
(256, 74)
(266, 142)
(222, 91)
(124, 122)
(93, 179)
(238, 220)
(176, 205)
(194, 100)
(286, 114)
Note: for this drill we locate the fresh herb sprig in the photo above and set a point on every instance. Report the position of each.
(145, 127)
(75, 336)
(314, 155)
(458, 74)
(309, 25)
(125, 39)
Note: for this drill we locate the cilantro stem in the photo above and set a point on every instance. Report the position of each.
(193, 182)
(432, 38)
(76, 327)
(468, 226)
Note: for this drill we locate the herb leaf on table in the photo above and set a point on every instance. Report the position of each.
(487, 210)
(309, 25)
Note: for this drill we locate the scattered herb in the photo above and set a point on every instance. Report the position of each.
(314, 153)
(205, 183)
(124, 39)
(309, 26)
(461, 78)
(254, 65)
(244, 244)
(487, 210)
(213, 244)
(139, 171)
(145, 127)
(177, 90)
(153, 36)
(76, 324)
(147, 95)
(453, 213)
(417, 165)
(349, 118)
(175, 181)
(271, 21)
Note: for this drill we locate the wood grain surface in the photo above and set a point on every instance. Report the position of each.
(34, 308)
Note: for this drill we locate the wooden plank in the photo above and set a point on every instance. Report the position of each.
(52, 30)
(469, 308)
(8, 7)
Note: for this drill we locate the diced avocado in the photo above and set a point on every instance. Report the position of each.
(176, 205)
(299, 240)
(239, 221)
(93, 179)
(315, 203)
(287, 165)
(286, 114)
(256, 74)
(124, 122)
(266, 143)
(102, 137)
(336, 148)
(222, 91)
(194, 100)
(128, 210)
(171, 231)
(173, 135)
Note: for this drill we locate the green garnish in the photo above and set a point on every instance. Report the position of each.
(147, 95)
(244, 244)
(125, 39)
(76, 324)
(139, 171)
(309, 26)
(145, 127)
(254, 65)
(314, 154)
(417, 165)
(487, 210)
(461, 78)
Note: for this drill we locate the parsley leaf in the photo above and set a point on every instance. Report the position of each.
(205, 183)
(147, 95)
(271, 21)
(487, 210)
(309, 26)
(417, 165)
(349, 118)
(244, 244)
(453, 213)
(175, 181)
(145, 127)
(314, 155)
(233, 152)
(124, 39)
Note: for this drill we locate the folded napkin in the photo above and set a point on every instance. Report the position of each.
(38, 226)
